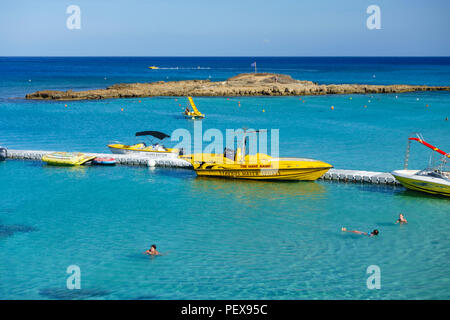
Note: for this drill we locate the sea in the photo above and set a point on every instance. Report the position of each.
(219, 238)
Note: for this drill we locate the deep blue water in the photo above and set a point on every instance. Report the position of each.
(224, 239)
(80, 73)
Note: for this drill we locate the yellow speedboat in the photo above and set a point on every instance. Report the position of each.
(153, 67)
(154, 150)
(66, 158)
(434, 180)
(194, 114)
(260, 166)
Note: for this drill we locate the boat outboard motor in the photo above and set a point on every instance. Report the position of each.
(3, 153)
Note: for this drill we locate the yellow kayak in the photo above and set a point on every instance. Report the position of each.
(66, 158)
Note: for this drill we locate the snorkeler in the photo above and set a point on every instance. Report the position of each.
(152, 251)
(401, 219)
(369, 234)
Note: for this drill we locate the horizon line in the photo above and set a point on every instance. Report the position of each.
(231, 56)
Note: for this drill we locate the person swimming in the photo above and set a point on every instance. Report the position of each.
(152, 251)
(401, 219)
(375, 232)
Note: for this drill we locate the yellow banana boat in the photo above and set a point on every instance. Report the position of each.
(66, 158)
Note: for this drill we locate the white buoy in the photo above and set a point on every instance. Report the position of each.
(151, 163)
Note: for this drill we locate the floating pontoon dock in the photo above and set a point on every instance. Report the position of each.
(124, 159)
(360, 176)
(370, 177)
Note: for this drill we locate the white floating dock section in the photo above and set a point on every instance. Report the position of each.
(360, 176)
(123, 159)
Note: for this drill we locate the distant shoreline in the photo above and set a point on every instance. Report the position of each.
(245, 84)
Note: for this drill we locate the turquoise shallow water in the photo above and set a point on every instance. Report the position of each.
(350, 136)
(223, 239)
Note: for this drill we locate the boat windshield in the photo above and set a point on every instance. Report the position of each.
(433, 174)
(229, 153)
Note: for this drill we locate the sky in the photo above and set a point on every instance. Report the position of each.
(225, 28)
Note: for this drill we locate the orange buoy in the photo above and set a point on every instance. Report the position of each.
(365, 106)
(427, 105)
(139, 101)
(121, 109)
(65, 105)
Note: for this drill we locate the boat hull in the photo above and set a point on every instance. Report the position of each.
(305, 174)
(194, 117)
(145, 153)
(410, 180)
(266, 168)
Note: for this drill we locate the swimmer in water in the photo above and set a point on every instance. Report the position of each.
(369, 234)
(152, 251)
(401, 219)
